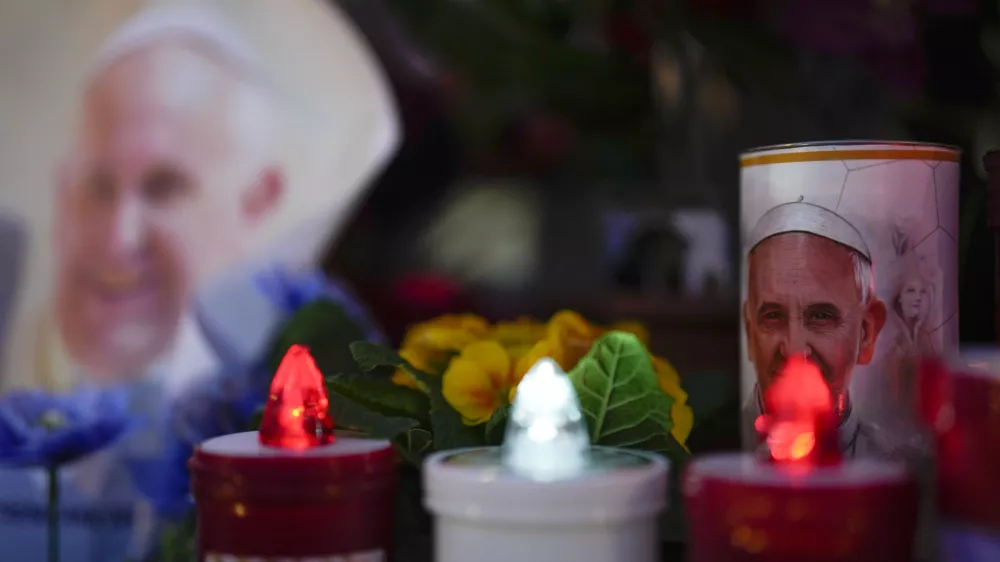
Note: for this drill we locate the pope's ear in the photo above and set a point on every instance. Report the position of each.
(871, 327)
(264, 196)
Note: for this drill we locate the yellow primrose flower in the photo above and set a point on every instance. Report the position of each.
(450, 332)
(570, 338)
(670, 381)
(429, 346)
(480, 379)
(519, 336)
(680, 412)
(635, 328)
(418, 359)
(683, 419)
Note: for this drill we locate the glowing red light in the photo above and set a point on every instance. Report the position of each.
(799, 410)
(761, 424)
(296, 415)
(791, 441)
(933, 394)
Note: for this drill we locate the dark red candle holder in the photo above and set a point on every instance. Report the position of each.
(253, 501)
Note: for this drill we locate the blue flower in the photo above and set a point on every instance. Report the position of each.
(43, 429)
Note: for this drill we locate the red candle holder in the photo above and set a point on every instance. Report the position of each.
(263, 502)
(294, 491)
(743, 510)
(960, 400)
(804, 501)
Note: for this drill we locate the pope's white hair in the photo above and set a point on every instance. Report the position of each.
(864, 276)
(208, 35)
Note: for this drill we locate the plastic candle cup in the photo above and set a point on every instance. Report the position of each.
(546, 494)
(294, 491)
(803, 501)
(960, 401)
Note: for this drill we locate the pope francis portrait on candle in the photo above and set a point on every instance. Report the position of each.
(811, 291)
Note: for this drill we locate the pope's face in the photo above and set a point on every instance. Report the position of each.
(803, 299)
(157, 197)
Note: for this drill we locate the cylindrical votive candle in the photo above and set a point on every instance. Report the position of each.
(485, 512)
(961, 400)
(270, 503)
(546, 494)
(879, 218)
(742, 509)
(294, 491)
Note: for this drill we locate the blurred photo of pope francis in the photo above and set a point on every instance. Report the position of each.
(172, 169)
(173, 176)
(811, 292)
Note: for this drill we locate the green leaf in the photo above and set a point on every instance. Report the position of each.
(177, 541)
(370, 356)
(382, 395)
(255, 419)
(497, 425)
(352, 416)
(449, 430)
(325, 328)
(446, 424)
(414, 445)
(621, 399)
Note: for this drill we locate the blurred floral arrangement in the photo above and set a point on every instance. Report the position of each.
(454, 377)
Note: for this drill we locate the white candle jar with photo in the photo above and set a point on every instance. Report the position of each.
(850, 256)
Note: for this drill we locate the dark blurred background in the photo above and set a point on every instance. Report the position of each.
(571, 153)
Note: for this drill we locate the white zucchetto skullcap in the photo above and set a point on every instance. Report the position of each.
(809, 218)
(187, 23)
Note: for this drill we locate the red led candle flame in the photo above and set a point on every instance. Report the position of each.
(296, 415)
(799, 423)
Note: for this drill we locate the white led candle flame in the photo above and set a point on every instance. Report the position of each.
(547, 437)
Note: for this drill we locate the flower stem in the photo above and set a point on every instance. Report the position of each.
(53, 513)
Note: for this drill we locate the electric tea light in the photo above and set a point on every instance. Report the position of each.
(294, 490)
(546, 494)
(804, 501)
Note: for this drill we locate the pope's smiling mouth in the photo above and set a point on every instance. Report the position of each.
(124, 292)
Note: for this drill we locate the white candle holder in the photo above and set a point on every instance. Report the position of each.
(546, 494)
